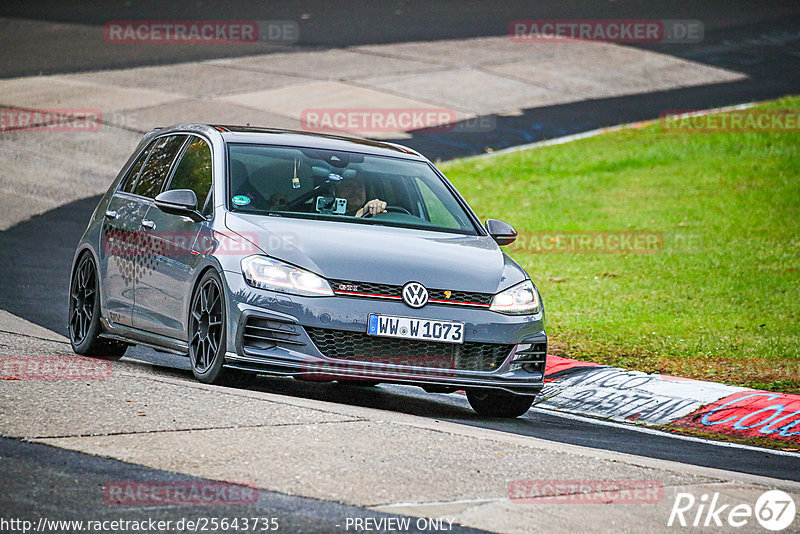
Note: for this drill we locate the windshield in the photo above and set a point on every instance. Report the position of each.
(342, 186)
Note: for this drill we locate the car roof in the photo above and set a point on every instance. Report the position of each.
(281, 137)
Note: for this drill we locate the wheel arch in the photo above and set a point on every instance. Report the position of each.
(200, 272)
(82, 249)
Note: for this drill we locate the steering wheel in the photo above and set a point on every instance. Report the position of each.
(396, 209)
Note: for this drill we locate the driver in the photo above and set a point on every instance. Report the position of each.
(355, 192)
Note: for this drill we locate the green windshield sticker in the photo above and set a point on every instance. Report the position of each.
(241, 200)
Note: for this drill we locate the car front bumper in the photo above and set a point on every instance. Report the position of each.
(278, 334)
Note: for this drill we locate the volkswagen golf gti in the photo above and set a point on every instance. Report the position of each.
(262, 251)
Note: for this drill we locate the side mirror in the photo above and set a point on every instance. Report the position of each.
(502, 232)
(180, 202)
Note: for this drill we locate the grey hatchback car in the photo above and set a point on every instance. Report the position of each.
(262, 251)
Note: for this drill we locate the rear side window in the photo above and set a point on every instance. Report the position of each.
(194, 172)
(155, 171)
(130, 179)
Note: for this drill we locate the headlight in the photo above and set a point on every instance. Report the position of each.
(266, 273)
(521, 299)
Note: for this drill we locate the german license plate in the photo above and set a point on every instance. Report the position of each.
(411, 328)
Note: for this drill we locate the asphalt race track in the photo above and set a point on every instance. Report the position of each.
(738, 32)
(80, 477)
(761, 40)
(758, 39)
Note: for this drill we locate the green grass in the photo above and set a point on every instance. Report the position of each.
(720, 300)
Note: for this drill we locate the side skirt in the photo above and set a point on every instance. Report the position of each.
(126, 334)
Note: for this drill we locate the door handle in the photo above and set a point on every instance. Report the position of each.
(148, 224)
(111, 214)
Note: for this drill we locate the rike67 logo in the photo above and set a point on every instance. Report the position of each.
(774, 510)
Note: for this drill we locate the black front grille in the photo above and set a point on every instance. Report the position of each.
(357, 346)
(461, 296)
(384, 290)
(263, 333)
(344, 287)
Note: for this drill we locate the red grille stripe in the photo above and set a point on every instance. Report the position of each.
(367, 295)
(459, 303)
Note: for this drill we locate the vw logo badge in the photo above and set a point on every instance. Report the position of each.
(415, 294)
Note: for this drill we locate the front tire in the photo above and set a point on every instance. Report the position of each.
(84, 313)
(208, 334)
(499, 403)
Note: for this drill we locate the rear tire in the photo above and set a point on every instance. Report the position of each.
(84, 314)
(499, 403)
(208, 335)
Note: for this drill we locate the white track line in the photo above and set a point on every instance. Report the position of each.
(599, 131)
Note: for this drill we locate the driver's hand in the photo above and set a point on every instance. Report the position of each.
(373, 207)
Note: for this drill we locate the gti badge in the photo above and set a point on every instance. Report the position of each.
(415, 294)
(348, 287)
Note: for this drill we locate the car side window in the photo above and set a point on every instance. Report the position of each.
(130, 178)
(194, 172)
(155, 171)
